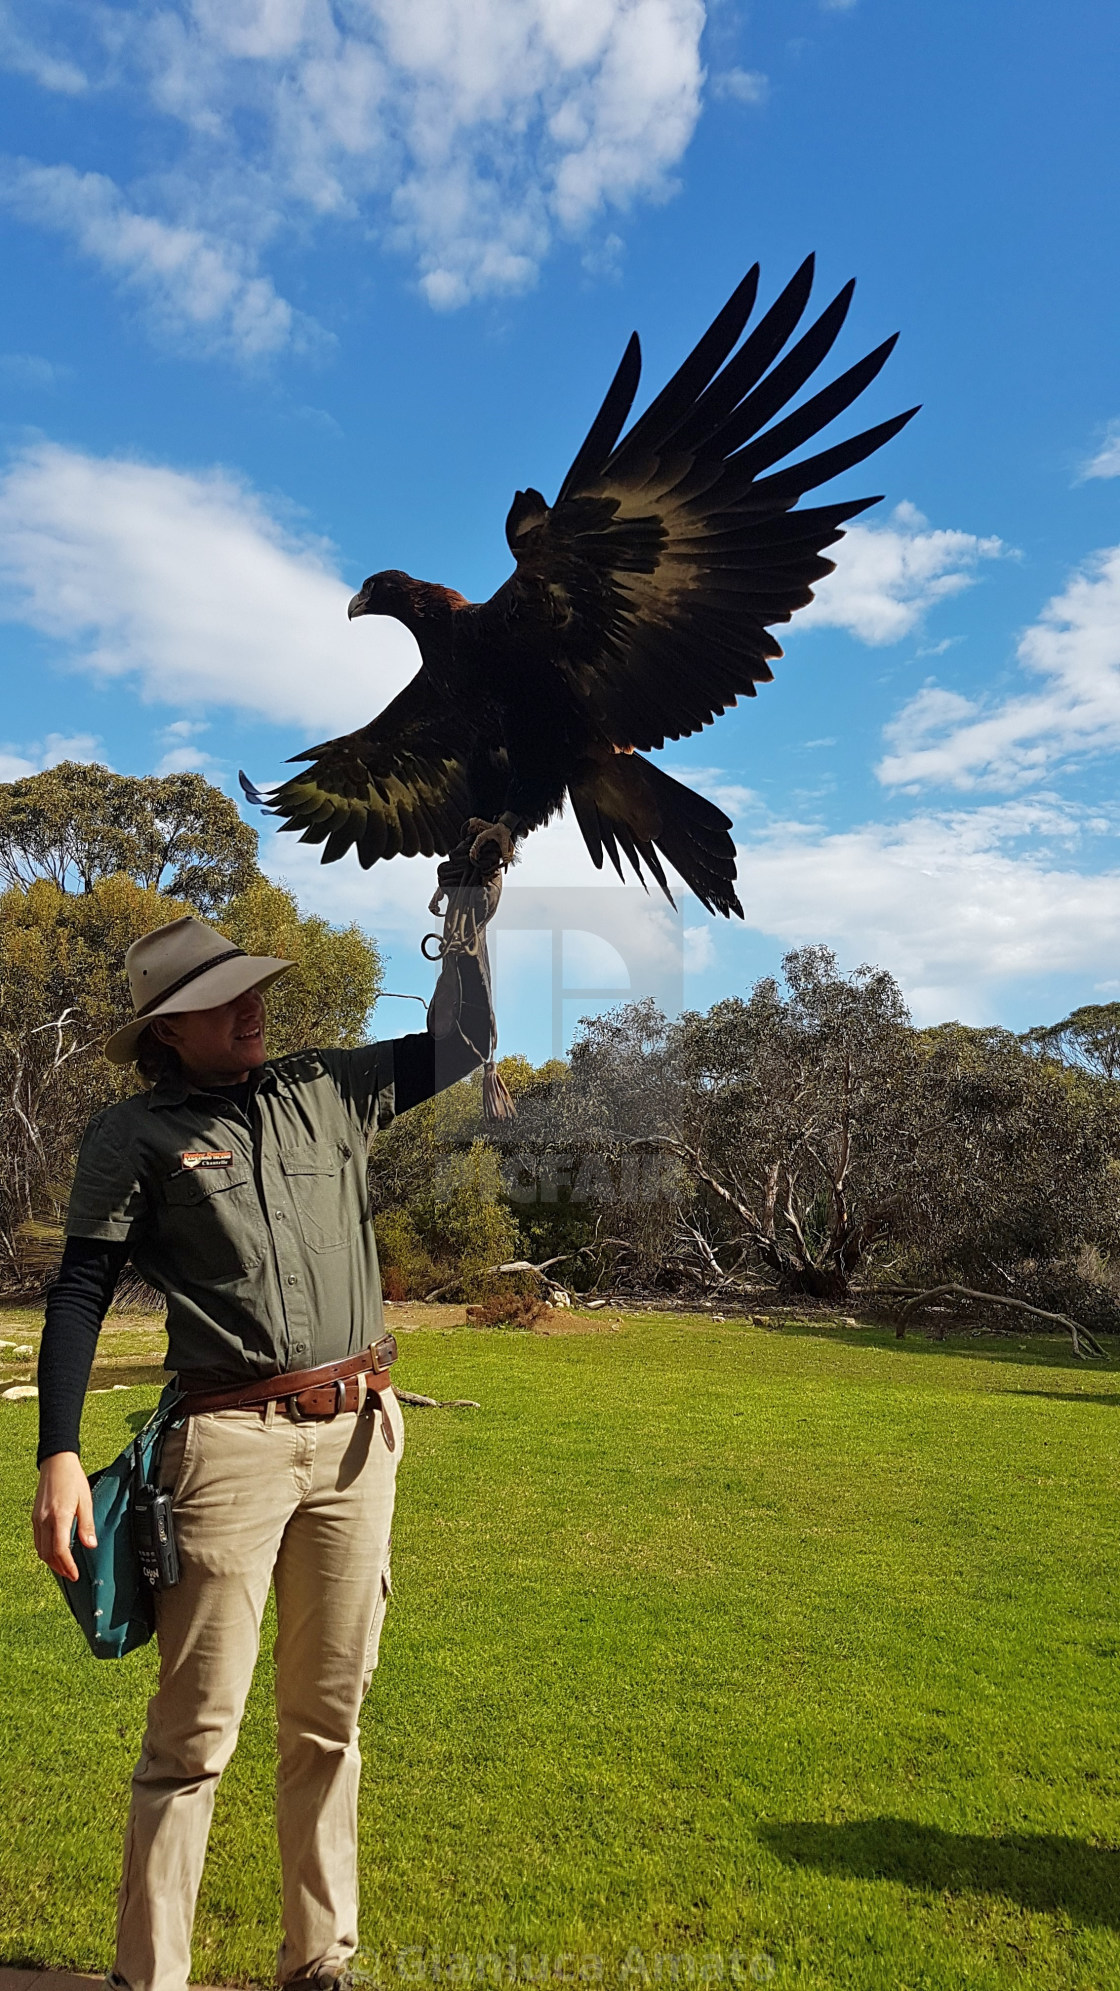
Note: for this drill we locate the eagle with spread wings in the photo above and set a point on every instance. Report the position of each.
(641, 606)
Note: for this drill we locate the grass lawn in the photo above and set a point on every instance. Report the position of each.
(716, 1653)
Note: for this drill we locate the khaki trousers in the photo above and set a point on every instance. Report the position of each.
(309, 1507)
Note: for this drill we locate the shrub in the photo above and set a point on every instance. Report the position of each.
(511, 1309)
(407, 1271)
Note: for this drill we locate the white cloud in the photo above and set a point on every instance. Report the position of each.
(554, 887)
(888, 576)
(742, 86)
(1074, 648)
(182, 753)
(14, 767)
(699, 949)
(196, 284)
(471, 132)
(1106, 461)
(390, 897)
(182, 730)
(31, 370)
(721, 787)
(24, 57)
(946, 901)
(189, 585)
(17, 763)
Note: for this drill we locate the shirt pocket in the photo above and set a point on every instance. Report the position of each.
(212, 1222)
(325, 1185)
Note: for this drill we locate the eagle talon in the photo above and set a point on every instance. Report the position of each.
(492, 847)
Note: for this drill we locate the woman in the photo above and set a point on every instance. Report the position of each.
(236, 1184)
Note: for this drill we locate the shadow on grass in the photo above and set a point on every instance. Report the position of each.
(1042, 1352)
(1041, 1871)
(1074, 1396)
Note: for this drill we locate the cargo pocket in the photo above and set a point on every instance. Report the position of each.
(374, 1640)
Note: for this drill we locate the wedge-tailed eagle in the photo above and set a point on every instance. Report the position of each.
(641, 606)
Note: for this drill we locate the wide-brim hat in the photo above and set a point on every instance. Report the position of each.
(185, 966)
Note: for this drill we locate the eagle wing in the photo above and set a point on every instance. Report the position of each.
(667, 556)
(397, 787)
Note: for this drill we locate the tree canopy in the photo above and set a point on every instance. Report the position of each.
(80, 822)
(807, 1133)
(1089, 1036)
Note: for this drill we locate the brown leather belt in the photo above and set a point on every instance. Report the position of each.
(307, 1393)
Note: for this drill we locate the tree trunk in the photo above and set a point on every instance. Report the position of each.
(818, 1282)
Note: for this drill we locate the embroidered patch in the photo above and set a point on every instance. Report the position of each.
(207, 1158)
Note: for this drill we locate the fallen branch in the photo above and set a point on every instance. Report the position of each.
(1092, 1345)
(435, 1402)
(488, 1271)
(519, 1265)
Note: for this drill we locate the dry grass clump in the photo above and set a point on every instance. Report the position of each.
(521, 1310)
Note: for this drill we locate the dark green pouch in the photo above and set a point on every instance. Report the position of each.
(112, 1599)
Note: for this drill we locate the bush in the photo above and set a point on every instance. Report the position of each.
(407, 1272)
(461, 1218)
(451, 1230)
(511, 1309)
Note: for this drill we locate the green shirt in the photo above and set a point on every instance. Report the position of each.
(256, 1225)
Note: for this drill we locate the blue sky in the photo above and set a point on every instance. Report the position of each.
(298, 290)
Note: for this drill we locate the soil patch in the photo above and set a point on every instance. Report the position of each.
(406, 1316)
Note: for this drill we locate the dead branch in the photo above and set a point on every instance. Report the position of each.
(1077, 1332)
(435, 1402)
(521, 1265)
(702, 1246)
(745, 1215)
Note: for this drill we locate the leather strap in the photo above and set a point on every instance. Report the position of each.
(373, 1363)
(325, 1400)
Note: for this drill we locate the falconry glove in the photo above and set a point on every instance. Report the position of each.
(470, 880)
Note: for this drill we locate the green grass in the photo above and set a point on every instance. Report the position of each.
(788, 1655)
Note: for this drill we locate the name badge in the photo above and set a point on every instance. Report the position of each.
(207, 1158)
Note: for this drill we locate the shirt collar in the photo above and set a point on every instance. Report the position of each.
(176, 1091)
(168, 1092)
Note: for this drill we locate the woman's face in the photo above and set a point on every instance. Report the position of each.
(222, 1045)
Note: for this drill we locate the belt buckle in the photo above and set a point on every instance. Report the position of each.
(299, 1417)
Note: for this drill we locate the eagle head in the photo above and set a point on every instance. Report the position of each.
(409, 601)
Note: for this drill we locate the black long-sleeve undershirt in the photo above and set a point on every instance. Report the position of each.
(76, 1306)
(82, 1293)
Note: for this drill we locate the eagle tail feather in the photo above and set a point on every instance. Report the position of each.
(625, 801)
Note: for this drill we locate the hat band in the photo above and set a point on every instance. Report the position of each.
(192, 975)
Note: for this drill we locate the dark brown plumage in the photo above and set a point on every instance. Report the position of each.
(640, 608)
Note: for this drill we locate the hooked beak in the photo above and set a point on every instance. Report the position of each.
(357, 606)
